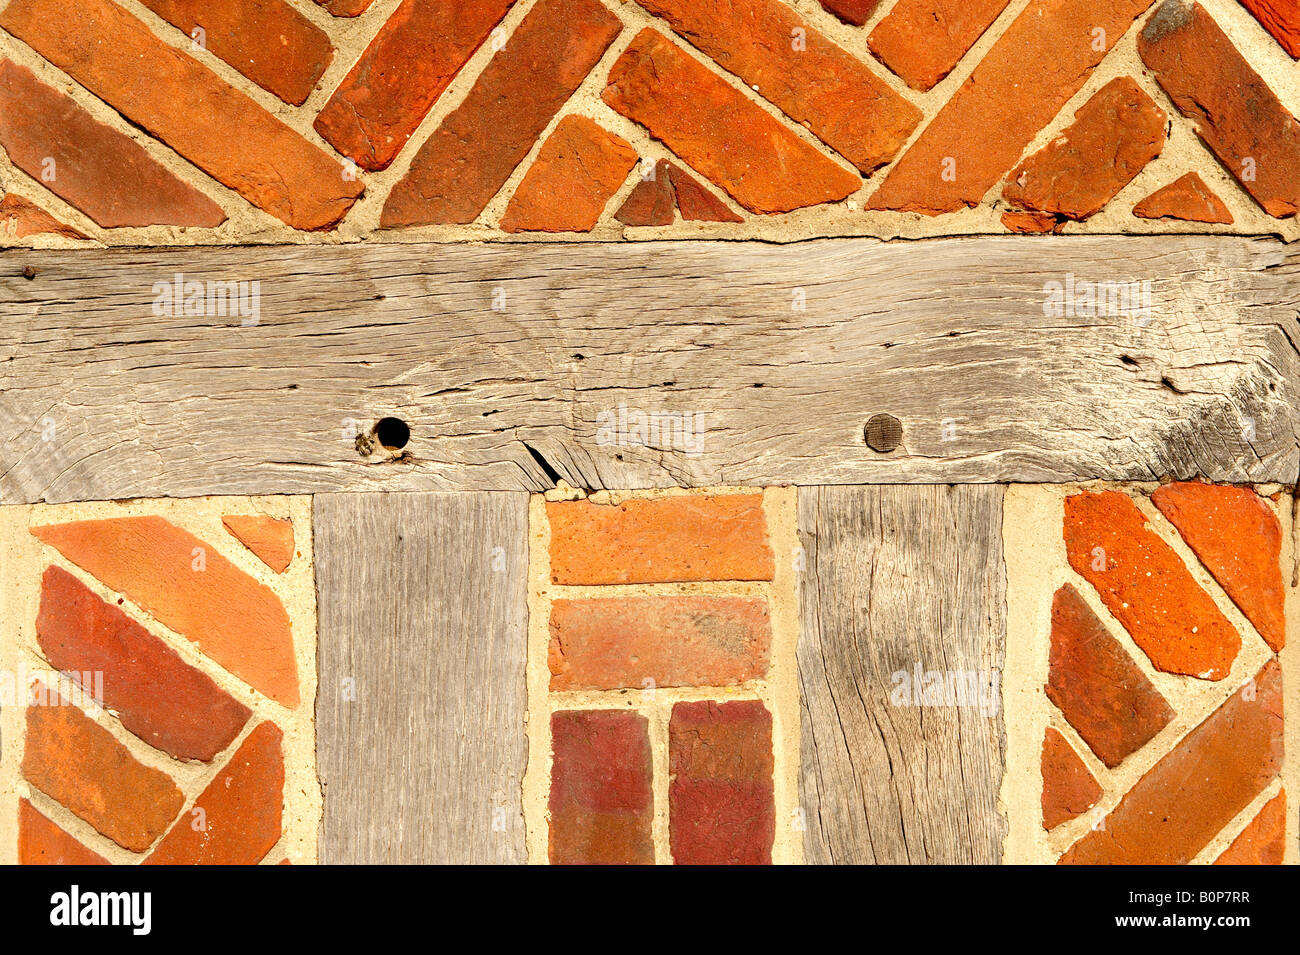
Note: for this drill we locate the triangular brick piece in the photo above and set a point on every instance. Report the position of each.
(1113, 137)
(1096, 684)
(1068, 788)
(21, 217)
(1032, 223)
(651, 201)
(42, 842)
(1239, 540)
(695, 203)
(270, 538)
(1263, 841)
(1187, 198)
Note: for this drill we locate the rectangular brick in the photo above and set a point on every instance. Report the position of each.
(721, 800)
(173, 97)
(608, 643)
(1281, 18)
(601, 801)
(1236, 113)
(79, 764)
(471, 155)
(1198, 787)
(660, 540)
(1042, 60)
(267, 41)
(922, 40)
(104, 173)
(722, 134)
(814, 82)
(406, 67)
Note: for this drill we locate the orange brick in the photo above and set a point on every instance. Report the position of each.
(608, 643)
(1145, 585)
(188, 586)
(268, 41)
(346, 8)
(732, 141)
(173, 97)
(1239, 540)
(1033, 69)
(1281, 18)
(1263, 841)
(81, 766)
(41, 842)
(922, 40)
(269, 538)
(1068, 788)
(813, 81)
(1198, 787)
(660, 540)
(21, 217)
(242, 809)
(576, 171)
(406, 67)
(1187, 198)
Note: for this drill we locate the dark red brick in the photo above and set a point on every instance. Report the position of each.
(1068, 788)
(601, 803)
(697, 204)
(651, 201)
(856, 12)
(722, 808)
(164, 701)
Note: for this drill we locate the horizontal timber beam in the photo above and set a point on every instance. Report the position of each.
(510, 363)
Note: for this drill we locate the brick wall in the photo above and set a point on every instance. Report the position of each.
(174, 121)
(662, 704)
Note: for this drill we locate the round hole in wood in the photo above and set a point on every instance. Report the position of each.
(392, 433)
(884, 433)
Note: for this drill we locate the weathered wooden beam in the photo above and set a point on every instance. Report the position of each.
(511, 363)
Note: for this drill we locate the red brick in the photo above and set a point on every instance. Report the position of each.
(21, 217)
(1235, 112)
(922, 40)
(1068, 788)
(41, 842)
(1187, 198)
(608, 643)
(722, 808)
(1113, 137)
(269, 538)
(856, 12)
(1239, 540)
(601, 803)
(471, 155)
(241, 809)
(81, 766)
(697, 204)
(1033, 69)
(1281, 18)
(576, 171)
(403, 71)
(346, 8)
(832, 93)
(1263, 841)
(267, 41)
(232, 618)
(167, 703)
(1145, 585)
(102, 172)
(1097, 686)
(710, 124)
(651, 201)
(173, 97)
(660, 540)
(1198, 787)
(1032, 223)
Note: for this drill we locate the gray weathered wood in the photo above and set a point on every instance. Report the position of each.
(420, 710)
(785, 351)
(899, 578)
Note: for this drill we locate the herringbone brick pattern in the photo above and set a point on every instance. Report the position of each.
(176, 121)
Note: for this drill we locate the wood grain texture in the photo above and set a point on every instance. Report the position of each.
(423, 620)
(899, 578)
(783, 351)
